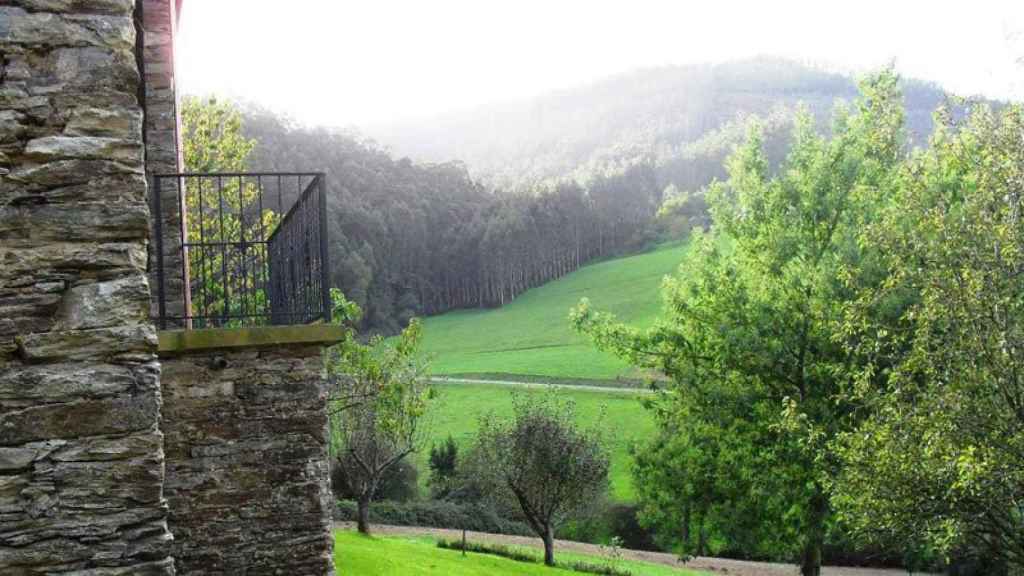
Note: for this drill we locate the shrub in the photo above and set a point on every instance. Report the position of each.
(626, 527)
(400, 482)
(443, 467)
(435, 514)
(615, 521)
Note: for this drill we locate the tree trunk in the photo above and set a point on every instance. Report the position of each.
(811, 561)
(363, 516)
(702, 539)
(686, 527)
(549, 546)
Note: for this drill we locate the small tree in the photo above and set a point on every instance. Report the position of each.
(443, 467)
(378, 406)
(541, 460)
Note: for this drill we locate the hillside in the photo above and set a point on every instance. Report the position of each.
(655, 113)
(508, 197)
(531, 336)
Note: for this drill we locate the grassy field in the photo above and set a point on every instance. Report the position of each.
(532, 336)
(458, 407)
(409, 556)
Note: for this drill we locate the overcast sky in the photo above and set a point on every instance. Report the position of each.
(344, 62)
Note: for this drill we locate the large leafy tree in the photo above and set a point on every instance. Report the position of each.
(754, 315)
(940, 462)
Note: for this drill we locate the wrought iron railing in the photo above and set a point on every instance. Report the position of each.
(250, 250)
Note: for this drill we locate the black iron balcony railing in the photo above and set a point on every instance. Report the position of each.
(240, 249)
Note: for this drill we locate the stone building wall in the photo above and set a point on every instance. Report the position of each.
(81, 454)
(163, 146)
(246, 442)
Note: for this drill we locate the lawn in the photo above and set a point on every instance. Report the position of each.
(532, 336)
(355, 554)
(458, 407)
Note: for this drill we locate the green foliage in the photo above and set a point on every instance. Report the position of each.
(420, 239)
(399, 483)
(443, 462)
(213, 142)
(681, 212)
(378, 404)
(543, 461)
(940, 462)
(751, 336)
(434, 514)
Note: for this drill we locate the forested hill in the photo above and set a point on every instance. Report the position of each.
(513, 196)
(418, 239)
(683, 118)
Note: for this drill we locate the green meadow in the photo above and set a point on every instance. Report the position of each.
(531, 336)
(457, 409)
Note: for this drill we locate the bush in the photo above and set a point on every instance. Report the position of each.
(435, 514)
(400, 483)
(616, 521)
(627, 528)
(443, 467)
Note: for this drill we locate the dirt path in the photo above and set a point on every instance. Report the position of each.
(613, 389)
(710, 565)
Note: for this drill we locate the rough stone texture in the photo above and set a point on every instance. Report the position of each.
(245, 436)
(81, 453)
(163, 150)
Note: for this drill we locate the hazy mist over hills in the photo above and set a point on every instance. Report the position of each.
(660, 114)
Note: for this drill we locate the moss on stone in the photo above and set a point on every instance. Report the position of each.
(180, 341)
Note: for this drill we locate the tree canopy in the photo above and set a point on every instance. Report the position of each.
(752, 325)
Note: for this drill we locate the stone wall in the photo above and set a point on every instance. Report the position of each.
(163, 147)
(81, 457)
(246, 442)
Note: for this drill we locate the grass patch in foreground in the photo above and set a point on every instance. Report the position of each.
(531, 335)
(602, 567)
(396, 556)
(458, 407)
(355, 554)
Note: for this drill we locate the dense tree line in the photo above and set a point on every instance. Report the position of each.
(416, 239)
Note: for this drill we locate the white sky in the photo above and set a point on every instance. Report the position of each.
(359, 63)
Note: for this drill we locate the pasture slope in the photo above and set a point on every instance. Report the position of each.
(530, 340)
(531, 336)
